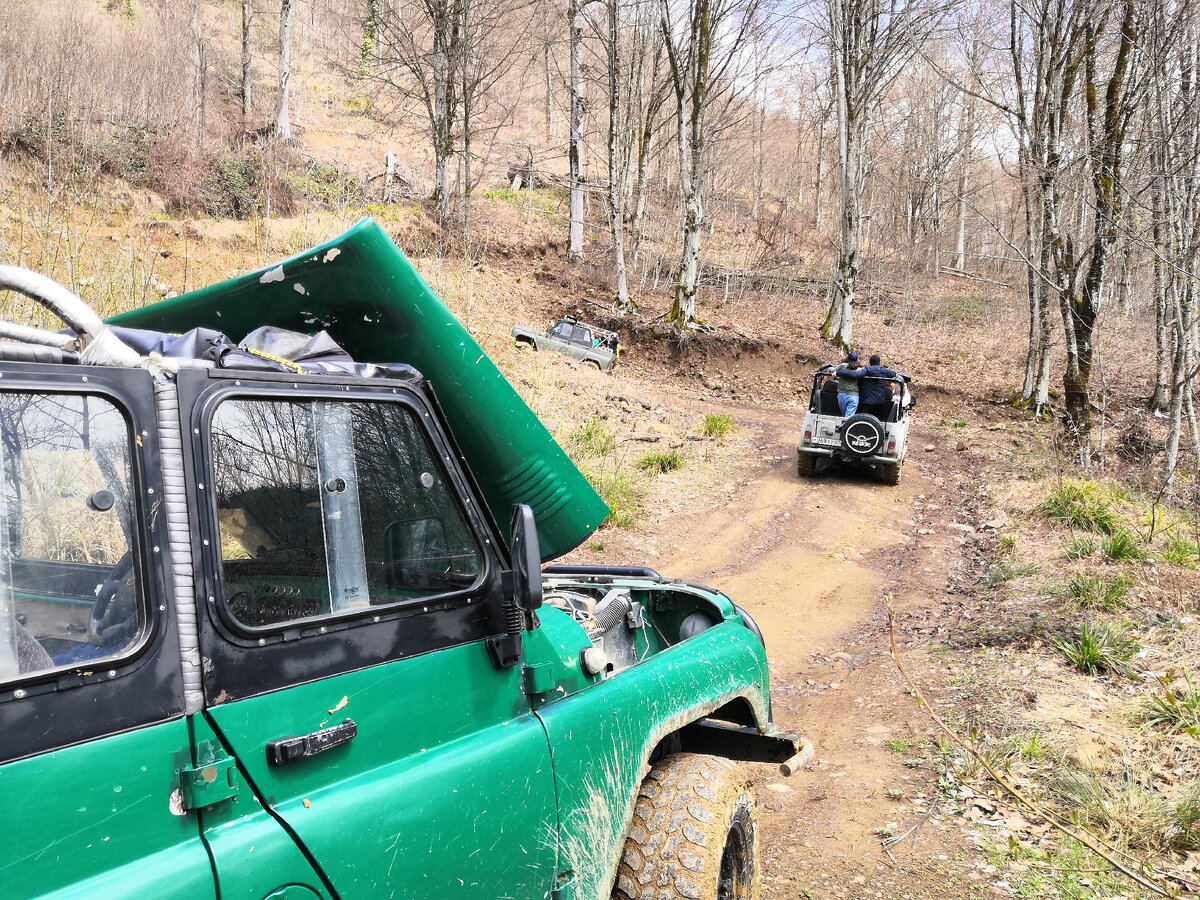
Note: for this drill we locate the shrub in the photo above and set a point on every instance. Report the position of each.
(1080, 504)
(1099, 649)
(329, 185)
(125, 152)
(237, 187)
(1096, 592)
(718, 425)
(1172, 711)
(660, 461)
(1121, 546)
(544, 203)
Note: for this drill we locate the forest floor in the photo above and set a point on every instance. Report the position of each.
(982, 583)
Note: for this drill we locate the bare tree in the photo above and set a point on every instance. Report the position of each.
(705, 42)
(283, 124)
(869, 43)
(1175, 176)
(575, 138)
(247, 63)
(1107, 122)
(200, 74)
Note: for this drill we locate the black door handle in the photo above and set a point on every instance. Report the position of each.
(287, 749)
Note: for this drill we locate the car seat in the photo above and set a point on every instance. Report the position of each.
(827, 399)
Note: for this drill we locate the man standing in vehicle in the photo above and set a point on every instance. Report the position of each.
(875, 394)
(847, 388)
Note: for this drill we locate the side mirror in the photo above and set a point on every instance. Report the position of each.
(526, 559)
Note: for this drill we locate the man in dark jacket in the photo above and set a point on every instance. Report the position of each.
(872, 393)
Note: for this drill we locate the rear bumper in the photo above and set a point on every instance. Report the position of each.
(830, 452)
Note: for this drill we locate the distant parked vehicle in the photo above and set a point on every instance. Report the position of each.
(875, 436)
(576, 339)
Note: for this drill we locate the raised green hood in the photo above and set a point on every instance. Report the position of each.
(363, 290)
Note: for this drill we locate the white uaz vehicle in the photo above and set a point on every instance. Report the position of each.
(876, 435)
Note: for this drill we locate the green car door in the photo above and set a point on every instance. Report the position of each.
(352, 581)
(95, 753)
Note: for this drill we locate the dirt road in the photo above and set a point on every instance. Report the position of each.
(812, 561)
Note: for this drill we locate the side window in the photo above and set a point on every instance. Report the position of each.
(68, 591)
(583, 336)
(325, 507)
(562, 330)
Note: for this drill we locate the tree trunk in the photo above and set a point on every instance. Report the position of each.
(1161, 400)
(1106, 145)
(445, 108)
(820, 172)
(691, 148)
(199, 83)
(616, 207)
(247, 63)
(283, 125)
(967, 124)
(838, 326)
(575, 233)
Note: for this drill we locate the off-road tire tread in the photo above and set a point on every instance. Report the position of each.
(680, 823)
(891, 473)
(806, 465)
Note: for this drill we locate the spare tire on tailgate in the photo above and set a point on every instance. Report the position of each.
(862, 435)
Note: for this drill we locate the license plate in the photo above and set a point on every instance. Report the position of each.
(826, 442)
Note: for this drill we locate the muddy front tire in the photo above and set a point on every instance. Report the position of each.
(806, 465)
(693, 835)
(891, 473)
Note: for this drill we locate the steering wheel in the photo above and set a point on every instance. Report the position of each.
(107, 627)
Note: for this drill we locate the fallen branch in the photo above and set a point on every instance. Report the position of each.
(960, 273)
(1097, 845)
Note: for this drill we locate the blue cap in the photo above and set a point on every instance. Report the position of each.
(851, 356)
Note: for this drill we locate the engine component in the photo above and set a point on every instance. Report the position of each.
(612, 609)
(594, 661)
(694, 624)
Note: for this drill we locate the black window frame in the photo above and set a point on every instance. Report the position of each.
(44, 711)
(246, 660)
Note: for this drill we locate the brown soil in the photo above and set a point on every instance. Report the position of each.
(812, 561)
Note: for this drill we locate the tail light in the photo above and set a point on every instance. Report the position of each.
(892, 447)
(808, 435)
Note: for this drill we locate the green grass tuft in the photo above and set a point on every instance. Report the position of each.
(622, 492)
(1081, 504)
(1080, 547)
(1172, 711)
(1096, 592)
(1007, 570)
(590, 439)
(1182, 551)
(1121, 546)
(1101, 648)
(660, 461)
(718, 425)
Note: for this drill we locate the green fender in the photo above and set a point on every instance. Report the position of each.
(602, 733)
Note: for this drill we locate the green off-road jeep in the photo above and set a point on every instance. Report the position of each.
(273, 622)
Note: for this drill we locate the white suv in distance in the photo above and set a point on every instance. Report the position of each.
(876, 435)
